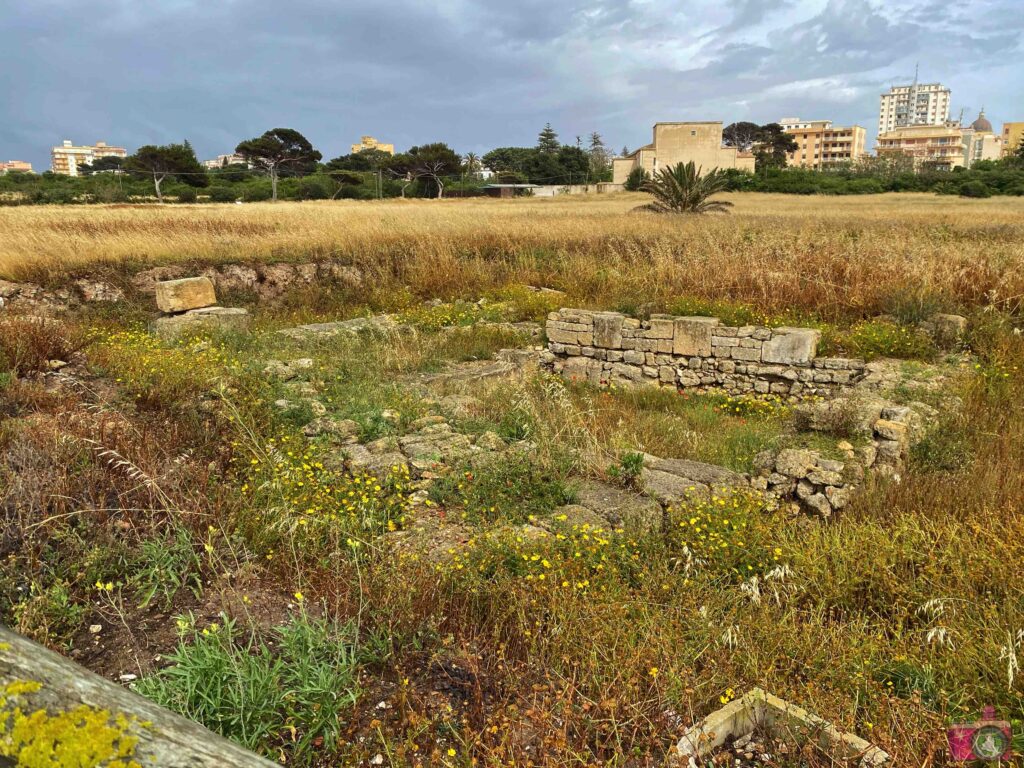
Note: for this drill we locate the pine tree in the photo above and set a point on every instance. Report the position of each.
(547, 141)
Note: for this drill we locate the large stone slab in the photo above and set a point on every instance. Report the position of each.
(692, 336)
(618, 506)
(791, 346)
(185, 294)
(671, 481)
(200, 320)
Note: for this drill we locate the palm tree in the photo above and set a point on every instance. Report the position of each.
(471, 163)
(682, 188)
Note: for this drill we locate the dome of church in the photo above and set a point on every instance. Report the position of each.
(982, 125)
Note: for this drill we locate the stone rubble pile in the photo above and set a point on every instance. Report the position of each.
(696, 353)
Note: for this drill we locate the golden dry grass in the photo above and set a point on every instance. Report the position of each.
(828, 254)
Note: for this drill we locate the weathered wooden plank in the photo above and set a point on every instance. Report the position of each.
(169, 741)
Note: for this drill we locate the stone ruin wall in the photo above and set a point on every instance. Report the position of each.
(695, 353)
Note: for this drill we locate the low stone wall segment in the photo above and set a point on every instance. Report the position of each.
(697, 353)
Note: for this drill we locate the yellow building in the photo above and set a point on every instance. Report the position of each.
(674, 143)
(944, 146)
(1013, 135)
(368, 142)
(68, 158)
(15, 165)
(941, 145)
(821, 144)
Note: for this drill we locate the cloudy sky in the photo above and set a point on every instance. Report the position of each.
(479, 73)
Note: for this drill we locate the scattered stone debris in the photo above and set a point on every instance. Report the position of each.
(758, 719)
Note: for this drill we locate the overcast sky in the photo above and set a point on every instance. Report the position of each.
(479, 73)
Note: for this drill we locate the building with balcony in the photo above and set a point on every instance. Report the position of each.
(821, 144)
(368, 142)
(914, 104)
(944, 147)
(675, 143)
(68, 158)
(15, 165)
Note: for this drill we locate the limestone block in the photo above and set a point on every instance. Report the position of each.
(693, 336)
(791, 346)
(745, 353)
(633, 357)
(661, 327)
(795, 462)
(185, 294)
(204, 319)
(724, 341)
(667, 374)
(613, 356)
(560, 335)
(608, 330)
(892, 430)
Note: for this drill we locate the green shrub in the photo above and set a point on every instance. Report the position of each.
(636, 179)
(256, 693)
(222, 195)
(975, 189)
(187, 195)
(164, 567)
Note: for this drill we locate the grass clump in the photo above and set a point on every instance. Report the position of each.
(513, 489)
(871, 339)
(277, 695)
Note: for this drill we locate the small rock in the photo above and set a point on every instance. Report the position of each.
(795, 462)
(377, 759)
(818, 504)
(128, 677)
(302, 364)
(390, 416)
(891, 430)
(317, 408)
(427, 421)
(56, 365)
(283, 405)
(490, 441)
(278, 370)
(845, 446)
(95, 629)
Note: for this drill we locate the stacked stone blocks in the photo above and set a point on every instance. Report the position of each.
(697, 353)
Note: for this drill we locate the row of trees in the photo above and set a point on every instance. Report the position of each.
(281, 154)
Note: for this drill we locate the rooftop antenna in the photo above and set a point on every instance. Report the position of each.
(912, 97)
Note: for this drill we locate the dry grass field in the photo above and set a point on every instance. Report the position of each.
(200, 501)
(829, 255)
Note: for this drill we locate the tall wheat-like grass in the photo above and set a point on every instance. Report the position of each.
(774, 251)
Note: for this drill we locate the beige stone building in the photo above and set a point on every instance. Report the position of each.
(820, 144)
(68, 158)
(1013, 135)
(674, 143)
(368, 142)
(15, 165)
(946, 146)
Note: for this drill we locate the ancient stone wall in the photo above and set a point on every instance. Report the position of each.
(698, 353)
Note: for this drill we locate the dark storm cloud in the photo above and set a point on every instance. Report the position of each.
(475, 73)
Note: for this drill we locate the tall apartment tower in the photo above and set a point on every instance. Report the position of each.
(914, 104)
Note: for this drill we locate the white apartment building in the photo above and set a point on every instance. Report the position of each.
(915, 104)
